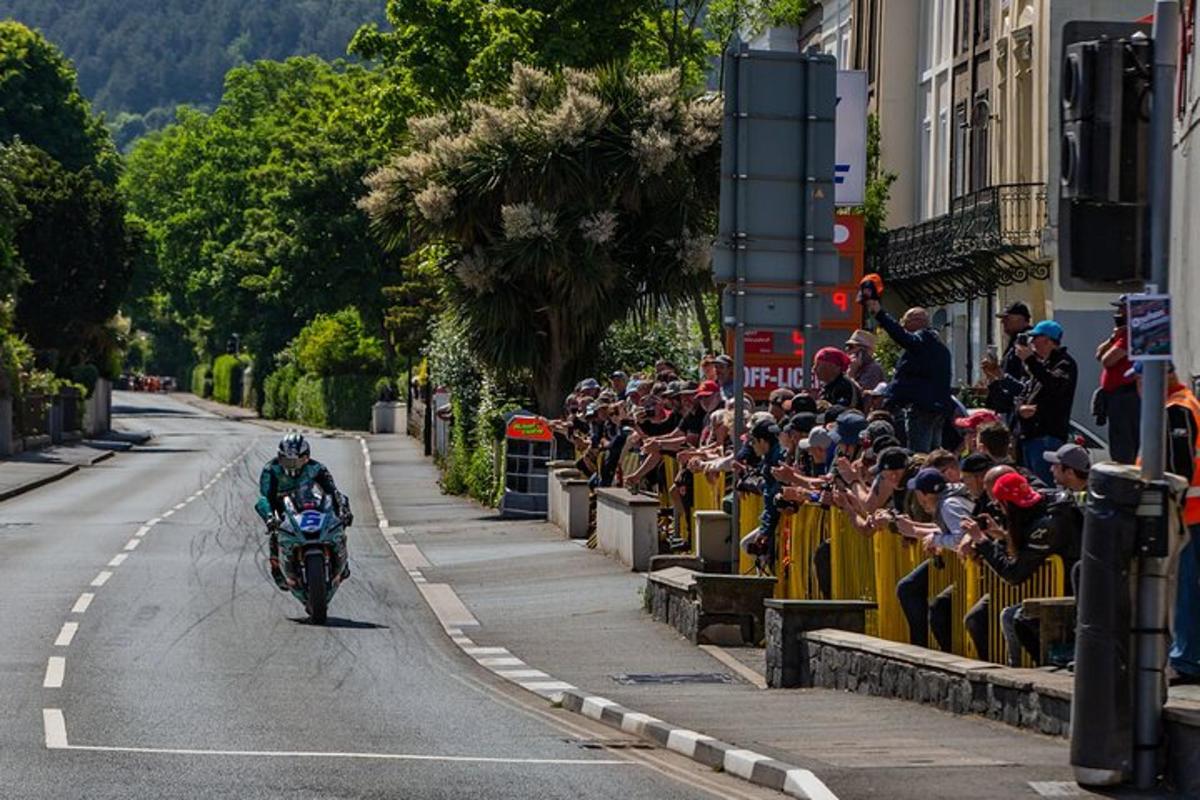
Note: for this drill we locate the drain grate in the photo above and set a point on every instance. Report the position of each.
(672, 678)
(610, 744)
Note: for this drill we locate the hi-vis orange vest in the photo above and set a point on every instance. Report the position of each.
(1191, 508)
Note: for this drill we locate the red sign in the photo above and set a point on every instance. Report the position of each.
(760, 343)
(529, 429)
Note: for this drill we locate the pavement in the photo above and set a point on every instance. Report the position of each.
(576, 616)
(147, 654)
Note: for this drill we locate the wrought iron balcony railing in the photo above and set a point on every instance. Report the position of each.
(990, 238)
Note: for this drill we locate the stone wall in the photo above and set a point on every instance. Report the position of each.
(855, 663)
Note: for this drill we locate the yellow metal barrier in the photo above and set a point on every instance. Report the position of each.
(752, 509)
(853, 560)
(895, 557)
(949, 570)
(1049, 581)
(799, 539)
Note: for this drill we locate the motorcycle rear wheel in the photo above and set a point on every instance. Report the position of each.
(314, 576)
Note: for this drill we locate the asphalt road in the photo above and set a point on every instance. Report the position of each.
(188, 674)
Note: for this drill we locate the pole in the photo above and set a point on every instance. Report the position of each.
(733, 75)
(1153, 575)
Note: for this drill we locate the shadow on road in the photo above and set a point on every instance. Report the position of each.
(338, 622)
(161, 411)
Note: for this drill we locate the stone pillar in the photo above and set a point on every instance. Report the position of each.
(6, 426)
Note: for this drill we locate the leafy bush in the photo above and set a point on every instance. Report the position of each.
(279, 393)
(338, 344)
(635, 346)
(86, 375)
(202, 385)
(227, 379)
(454, 475)
(338, 401)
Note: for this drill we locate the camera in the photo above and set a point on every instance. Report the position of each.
(1023, 339)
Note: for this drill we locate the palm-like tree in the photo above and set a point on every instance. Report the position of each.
(563, 204)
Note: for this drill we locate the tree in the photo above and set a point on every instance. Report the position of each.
(251, 209)
(451, 49)
(563, 204)
(79, 255)
(40, 104)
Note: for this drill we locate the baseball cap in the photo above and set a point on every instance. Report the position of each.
(588, 383)
(883, 443)
(673, 389)
(831, 355)
(1070, 455)
(819, 437)
(802, 423)
(688, 387)
(766, 429)
(1018, 308)
(892, 458)
(1048, 328)
(1014, 488)
(723, 360)
(850, 426)
(832, 413)
(803, 403)
(781, 396)
(975, 418)
(707, 389)
(878, 430)
(976, 463)
(928, 480)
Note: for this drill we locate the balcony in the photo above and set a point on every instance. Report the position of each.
(990, 238)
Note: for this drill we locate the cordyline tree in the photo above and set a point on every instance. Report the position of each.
(562, 205)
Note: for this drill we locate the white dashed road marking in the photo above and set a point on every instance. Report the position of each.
(118, 559)
(101, 579)
(81, 605)
(55, 669)
(66, 634)
(132, 544)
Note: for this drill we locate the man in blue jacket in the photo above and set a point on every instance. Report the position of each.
(919, 394)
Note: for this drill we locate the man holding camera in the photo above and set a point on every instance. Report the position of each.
(1044, 408)
(1005, 374)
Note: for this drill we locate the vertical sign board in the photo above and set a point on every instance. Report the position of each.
(778, 358)
(850, 164)
(528, 442)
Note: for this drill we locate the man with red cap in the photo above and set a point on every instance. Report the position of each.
(1036, 526)
(830, 366)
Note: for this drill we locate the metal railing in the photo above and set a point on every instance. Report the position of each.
(989, 239)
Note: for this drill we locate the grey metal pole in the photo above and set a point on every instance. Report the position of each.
(1153, 573)
(739, 298)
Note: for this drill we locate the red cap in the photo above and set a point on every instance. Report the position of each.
(832, 355)
(1013, 488)
(976, 418)
(707, 389)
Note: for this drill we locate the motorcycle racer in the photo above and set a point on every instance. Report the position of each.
(293, 466)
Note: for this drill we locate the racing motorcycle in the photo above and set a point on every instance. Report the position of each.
(312, 548)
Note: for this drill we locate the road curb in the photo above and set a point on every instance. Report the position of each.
(748, 765)
(38, 483)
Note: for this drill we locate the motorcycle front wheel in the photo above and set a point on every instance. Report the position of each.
(314, 577)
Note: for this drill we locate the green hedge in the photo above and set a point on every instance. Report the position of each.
(227, 379)
(338, 401)
(279, 393)
(202, 384)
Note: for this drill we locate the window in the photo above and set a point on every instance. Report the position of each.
(981, 119)
(963, 37)
(983, 21)
(959, 156)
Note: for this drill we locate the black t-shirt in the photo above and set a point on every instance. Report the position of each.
(660, 428)
(693, 423)
(841, 391)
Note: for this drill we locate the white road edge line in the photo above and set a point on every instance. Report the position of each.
(118, 559)
(81, 605)
(56, 739)
(803, 783)
(101, 579)
(56, 667)
(67, 633)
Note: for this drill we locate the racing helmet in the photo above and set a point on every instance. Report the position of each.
(293, 453)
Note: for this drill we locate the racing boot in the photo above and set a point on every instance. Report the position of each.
(276, 570)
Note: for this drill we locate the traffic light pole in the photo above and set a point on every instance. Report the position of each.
(1153, 573)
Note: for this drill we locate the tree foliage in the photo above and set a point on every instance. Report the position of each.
(564, 203)
(40, 103)
(251, 210)
(337, 344)
(145, 57)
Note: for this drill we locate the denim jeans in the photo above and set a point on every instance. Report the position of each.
(920, 429)
(1185, 648)
(1032, 451)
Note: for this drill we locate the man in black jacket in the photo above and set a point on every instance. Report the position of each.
(919, 394)
(1006, 373)
(1044, 408)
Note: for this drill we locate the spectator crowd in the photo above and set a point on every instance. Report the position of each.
(1002, 484)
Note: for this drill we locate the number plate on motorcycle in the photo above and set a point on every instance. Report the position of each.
(311, 520)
